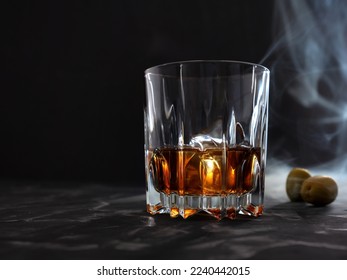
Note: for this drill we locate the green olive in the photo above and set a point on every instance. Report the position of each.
(319, 190)
(294, 182)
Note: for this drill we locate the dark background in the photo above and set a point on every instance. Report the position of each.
(72, 86)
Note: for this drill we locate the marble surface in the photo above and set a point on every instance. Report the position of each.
(100, 221)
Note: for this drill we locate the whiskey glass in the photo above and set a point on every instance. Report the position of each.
(205, 126)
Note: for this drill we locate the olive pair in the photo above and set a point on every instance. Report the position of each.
(317, 190)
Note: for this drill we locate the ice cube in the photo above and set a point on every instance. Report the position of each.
(209, 138)
(203, 142)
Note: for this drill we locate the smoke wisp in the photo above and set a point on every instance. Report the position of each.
(308, 63)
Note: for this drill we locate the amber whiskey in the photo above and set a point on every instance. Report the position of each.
(216, 171)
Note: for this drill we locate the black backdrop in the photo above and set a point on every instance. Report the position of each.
(72, 86)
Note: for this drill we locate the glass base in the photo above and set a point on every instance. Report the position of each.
(229, 206)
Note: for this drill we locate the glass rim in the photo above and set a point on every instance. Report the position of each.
(151, 69)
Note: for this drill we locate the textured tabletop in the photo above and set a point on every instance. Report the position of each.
(105, 221)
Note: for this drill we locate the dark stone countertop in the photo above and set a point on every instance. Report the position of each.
(99, 221)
